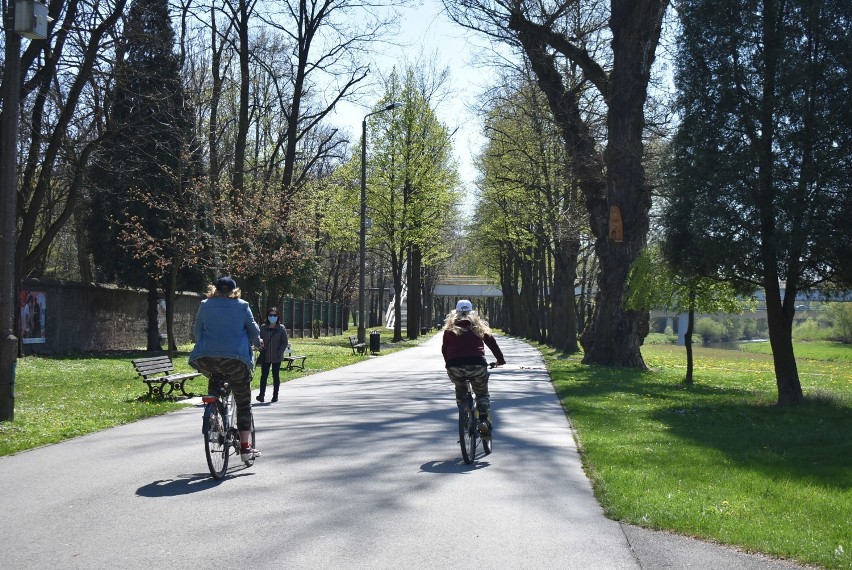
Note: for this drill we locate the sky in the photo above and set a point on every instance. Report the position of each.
(428, 31)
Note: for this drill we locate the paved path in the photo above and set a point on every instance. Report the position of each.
(361, 469)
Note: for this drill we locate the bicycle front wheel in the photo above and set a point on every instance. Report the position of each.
(467, 431)
(215, 444)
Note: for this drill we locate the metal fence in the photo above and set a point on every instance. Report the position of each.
(305, 318)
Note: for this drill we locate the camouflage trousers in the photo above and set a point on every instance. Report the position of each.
(478, 376)
(239, 378)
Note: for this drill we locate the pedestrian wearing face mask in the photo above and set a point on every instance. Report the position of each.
(275, 342)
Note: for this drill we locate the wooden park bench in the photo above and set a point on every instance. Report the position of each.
(357, 347)
(291, 359)
(156, 373)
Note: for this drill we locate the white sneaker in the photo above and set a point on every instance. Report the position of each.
(249, 454)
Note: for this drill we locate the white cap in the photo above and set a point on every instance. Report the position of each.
(464, 306)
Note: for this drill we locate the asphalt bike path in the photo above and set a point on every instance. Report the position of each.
(361, 468)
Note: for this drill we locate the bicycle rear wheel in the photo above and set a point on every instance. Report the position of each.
(215, 444)
(467, 431)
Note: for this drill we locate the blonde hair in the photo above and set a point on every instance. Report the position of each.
(478, 325)
(213, 292)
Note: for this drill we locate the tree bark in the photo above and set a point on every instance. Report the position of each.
(687, 338)
(779, 314)
(614, 335)
(215, 98)
(245, 94)
(563, 313)
(779, 317)
(415, 287)
(153, 328)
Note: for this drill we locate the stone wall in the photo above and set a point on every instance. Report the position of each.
(83, 317)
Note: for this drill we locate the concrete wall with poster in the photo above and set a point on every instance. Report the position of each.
(63, 316)
(33, 305)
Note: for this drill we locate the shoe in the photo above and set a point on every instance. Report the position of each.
(249, 453)
(274, 399)
(485, 428)
(259, 398)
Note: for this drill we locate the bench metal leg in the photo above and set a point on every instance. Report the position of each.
(182, 389)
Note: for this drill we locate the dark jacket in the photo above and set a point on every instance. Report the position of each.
(275, 342)
(467, 348)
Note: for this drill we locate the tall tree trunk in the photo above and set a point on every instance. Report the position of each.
(397, 262)
(215, 97)
(10, 313)
(564, 317)
(397, 311)
(414, 290)
(687, 337)
(507, 286)
(170, 290)
(779, 315)
(153, 326)
(243, 113)
(84, 264)
(614, 335)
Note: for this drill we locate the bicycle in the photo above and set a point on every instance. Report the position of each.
(469, 425)
(219, 427)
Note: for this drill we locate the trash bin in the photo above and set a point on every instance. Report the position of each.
(375, 342)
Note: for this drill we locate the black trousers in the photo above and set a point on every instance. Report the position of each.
(276, 377)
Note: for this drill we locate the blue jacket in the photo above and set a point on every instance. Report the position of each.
(225, 327)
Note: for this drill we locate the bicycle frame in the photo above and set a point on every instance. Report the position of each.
(219, 427)
(225, 401)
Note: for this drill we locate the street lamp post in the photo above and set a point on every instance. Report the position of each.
(362, 271)
(31, 22)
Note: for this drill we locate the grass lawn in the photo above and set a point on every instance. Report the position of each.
(719, 460)
(60, 397)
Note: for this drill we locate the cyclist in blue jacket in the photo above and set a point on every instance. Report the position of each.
(225, 331)
(465, 336)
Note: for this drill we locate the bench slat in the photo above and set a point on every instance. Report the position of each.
(151, 360)
(146, 371)
(172, 378)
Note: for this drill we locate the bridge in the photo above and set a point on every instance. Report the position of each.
(467, 286)
(457, 286)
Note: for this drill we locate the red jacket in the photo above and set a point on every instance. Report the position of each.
(467, 348)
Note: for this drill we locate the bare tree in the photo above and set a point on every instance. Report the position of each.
(328, 39)
(611, 180)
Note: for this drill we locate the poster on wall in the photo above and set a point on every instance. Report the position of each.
(33, 317)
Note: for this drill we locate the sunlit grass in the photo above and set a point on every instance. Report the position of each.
(719, 460)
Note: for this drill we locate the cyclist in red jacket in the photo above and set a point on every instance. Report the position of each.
(465, 336)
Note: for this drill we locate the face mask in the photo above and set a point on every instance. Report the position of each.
(272, 319)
